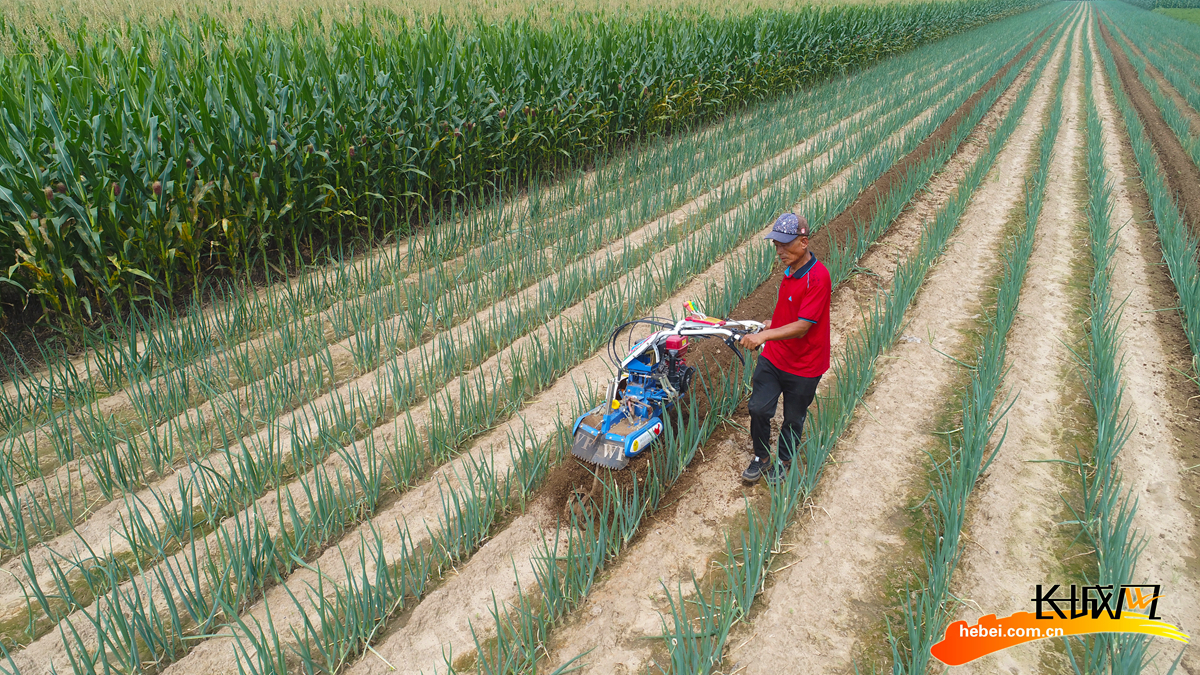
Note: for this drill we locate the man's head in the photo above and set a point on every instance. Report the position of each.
(790, 236)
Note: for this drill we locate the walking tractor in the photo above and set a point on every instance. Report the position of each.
(652, 377)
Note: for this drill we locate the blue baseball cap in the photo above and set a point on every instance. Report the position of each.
(787, 227)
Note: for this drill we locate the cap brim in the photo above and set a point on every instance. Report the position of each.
(781, 237)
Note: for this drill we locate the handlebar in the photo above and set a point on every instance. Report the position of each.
(694, 325)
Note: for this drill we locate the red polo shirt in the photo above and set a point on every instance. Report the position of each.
(803, 296)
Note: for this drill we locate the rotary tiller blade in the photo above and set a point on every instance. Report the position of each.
(595, 450)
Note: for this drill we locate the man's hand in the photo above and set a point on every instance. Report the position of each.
(752, 341)
(790, 331)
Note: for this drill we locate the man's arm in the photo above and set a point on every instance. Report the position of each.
(789, 331)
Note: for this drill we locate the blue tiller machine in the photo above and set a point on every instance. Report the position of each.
(652, 376)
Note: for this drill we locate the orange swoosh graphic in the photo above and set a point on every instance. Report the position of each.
(962, 643)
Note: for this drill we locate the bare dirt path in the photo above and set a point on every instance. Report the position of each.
(1009, 535)
(623, 612)
(880, 458)
(1165, 439)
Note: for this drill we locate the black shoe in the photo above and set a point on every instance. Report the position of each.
(754, 471)
(778, 472)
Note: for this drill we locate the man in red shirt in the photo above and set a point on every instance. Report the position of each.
(796, 354)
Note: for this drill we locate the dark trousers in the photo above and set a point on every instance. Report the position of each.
(798, 392)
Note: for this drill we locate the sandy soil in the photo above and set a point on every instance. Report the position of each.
(1165, 440)
(880, 459)
(1006, 552)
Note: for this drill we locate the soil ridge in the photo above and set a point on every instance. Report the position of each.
(1182, 175)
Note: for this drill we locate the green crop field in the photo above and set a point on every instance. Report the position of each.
(301, 304)
(186, 148)
(46, 15)
(1192, 15)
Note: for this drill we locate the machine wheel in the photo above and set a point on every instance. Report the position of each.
(685, 380)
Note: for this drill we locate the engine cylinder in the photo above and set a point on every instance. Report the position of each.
(677, 346)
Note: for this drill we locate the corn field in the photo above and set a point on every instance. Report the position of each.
(142, 159)
(366, 466)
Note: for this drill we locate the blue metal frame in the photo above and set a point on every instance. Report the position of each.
(652, 405)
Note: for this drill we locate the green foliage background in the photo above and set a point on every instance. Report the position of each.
(139, 157)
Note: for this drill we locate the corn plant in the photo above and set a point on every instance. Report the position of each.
(204, 164)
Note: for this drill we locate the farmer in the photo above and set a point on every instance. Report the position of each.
(796, 354)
